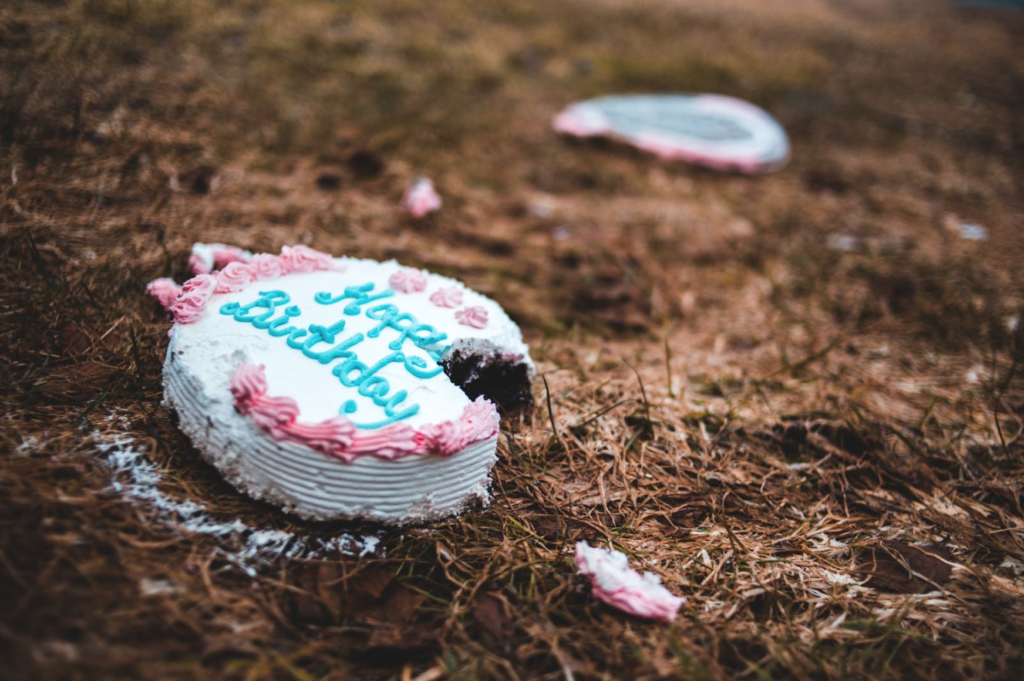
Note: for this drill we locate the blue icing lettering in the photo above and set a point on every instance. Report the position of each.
(359, 296)
(320, 334)
(389, 317)
(350, 407)
(341, 350)
(418, 367)
(351, 372)
(274, 326)
(344, 370)
(423, 336)
(374, 387)
(267, 299)
(293, 338)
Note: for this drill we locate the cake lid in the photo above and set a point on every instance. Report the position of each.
(710, 130)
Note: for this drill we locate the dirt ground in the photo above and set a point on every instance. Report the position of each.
(797, 398)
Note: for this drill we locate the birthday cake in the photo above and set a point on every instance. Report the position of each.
(339, 387)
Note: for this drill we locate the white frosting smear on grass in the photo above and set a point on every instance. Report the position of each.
(241, 545)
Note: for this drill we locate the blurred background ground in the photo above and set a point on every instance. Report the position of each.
(797, 398)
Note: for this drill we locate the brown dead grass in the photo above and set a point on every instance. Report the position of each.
(820, 448)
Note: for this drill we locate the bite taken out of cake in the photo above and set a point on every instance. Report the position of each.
(342, 388)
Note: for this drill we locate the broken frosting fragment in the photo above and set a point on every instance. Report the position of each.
(421, 198)
(622, 587)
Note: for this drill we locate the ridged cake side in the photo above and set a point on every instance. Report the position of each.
(310, 484)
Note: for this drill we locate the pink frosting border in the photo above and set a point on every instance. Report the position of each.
(188, 305)
(339, 437)
(221, 257)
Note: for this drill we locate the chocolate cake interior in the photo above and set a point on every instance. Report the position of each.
(502, 378)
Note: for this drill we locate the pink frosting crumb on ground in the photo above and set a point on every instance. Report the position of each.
(622, 587)
(339, 437)
(408, 280)
(421, 198)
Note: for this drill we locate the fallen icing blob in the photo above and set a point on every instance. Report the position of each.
(421, 198)
(618, 585)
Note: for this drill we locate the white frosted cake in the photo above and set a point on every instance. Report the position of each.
(342, 388)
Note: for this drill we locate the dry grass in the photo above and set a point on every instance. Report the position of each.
(818, 446)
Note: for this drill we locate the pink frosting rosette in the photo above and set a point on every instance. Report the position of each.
(481, 419)
(301, 259)
(248, 384)
(475, 316)
(234, 277)
(222, 257)
(198, 265)
(208, 258)
(450, 297)
(442, 438)
(408, 280)
(267, 266)
(194, 295)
